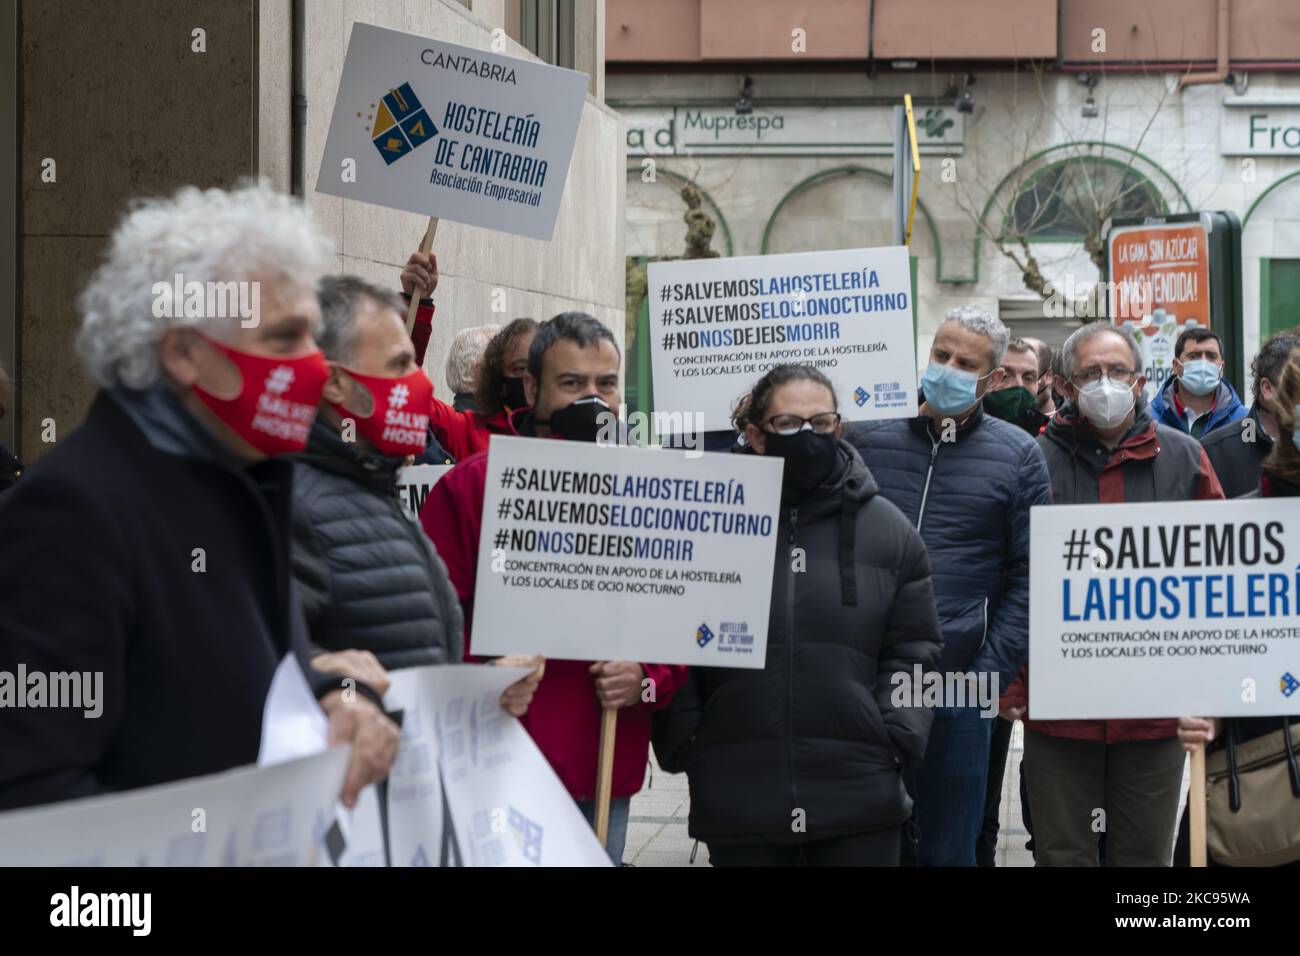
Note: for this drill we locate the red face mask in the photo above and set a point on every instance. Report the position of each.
(399, 422)
(277, 401)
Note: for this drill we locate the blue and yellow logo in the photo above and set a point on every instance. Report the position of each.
(703, 635)
(861, 396)
(1288, 685)
(528, 836)
(400, 124)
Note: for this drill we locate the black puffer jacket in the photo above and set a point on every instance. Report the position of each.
(970, 497)
(816, 729)
(369, 577)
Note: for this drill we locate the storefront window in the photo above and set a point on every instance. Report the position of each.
(1068, 201)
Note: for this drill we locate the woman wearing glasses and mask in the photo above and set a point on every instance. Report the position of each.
(801, 762)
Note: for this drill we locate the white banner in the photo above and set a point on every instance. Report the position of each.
(1164, 610)
(716, 325)
(253, 816)
(414, 484)
(470, 788)
(620, 553)
(452, 132)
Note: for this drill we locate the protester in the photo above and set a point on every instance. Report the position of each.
(1237, 453)
(1280, 478)
(1037, 382)
(1045, 391)
(1103, 446)
(800, 762)
(464, 360)
(151, 546)
(572, 385)
(368, 576)
(1012, 391)
(500, 386)
(1197, 399)
(966, 481)
(10, 466)
(1015, 396)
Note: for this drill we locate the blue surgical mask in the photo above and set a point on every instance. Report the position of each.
(1295, 435)
(1200, 376)
(949, 390)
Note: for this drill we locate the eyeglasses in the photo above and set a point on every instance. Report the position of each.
(1090, 375)
(822, 424)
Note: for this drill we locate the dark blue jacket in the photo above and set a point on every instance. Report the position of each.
(1227, 408)
(970, 499)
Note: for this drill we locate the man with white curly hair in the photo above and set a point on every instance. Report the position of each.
(149, 551)
(464, 359)
(966, 480)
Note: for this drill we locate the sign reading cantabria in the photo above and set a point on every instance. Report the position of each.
(1164, 610)
(622, 553)
(452, 132)
(716, 325)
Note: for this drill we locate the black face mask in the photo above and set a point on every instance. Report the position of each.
(512, 387)
(580, 421)
(809, 457)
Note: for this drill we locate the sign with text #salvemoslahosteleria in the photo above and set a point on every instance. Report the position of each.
(620, 553)
(717, 325)
(452, 132)
(1171, 609)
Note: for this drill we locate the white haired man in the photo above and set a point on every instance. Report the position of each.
(151, 547)
(967, 481)
(464, 359)
(1105, 446)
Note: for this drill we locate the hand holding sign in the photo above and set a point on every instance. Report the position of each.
(516, 698)
(618, 683)
(420, 275)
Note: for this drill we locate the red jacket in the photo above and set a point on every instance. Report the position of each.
(1155, 459)
(564, 718)
(461, 433)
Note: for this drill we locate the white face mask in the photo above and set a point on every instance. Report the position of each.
(1105, 403)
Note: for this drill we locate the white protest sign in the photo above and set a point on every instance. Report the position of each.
(469, 787)
(1164, 610)
(253, 816)
(414, 483)
(294, 726)
(452, 132)
(593, 552)
(716, 325)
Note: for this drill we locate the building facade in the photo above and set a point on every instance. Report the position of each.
(1036, 120)
(176, 92)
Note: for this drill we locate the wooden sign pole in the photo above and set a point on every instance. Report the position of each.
(605, 772)
(1196, 807)
(426, 244)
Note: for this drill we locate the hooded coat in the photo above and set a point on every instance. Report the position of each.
(824, 728)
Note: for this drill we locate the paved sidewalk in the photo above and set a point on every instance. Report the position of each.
(656, 833)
